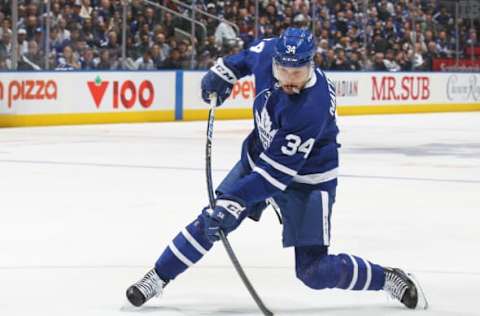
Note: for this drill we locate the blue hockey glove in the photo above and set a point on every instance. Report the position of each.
(220, 80)
(226, 216)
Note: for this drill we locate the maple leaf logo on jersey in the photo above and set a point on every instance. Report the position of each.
(264, 125)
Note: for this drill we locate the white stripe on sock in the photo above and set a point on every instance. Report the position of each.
(179, 255)
(355, 273)
(369, 275)
(193, 242)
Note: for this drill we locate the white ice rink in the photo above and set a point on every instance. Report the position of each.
(86, 210)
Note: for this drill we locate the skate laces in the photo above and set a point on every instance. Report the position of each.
(395, 285)
(150, 285)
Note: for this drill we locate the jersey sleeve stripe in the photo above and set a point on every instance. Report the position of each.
(270, 179)
(278, 166)
(250, 161)
(193, 242)
(316, 178)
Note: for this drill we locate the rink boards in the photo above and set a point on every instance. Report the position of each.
(60, 98)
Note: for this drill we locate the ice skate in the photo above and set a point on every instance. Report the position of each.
(149, 286)
(405, 288)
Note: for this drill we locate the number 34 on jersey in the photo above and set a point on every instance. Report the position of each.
(295, 144)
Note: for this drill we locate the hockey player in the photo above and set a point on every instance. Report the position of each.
(290, 159)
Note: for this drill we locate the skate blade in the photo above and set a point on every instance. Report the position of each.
(422, 299)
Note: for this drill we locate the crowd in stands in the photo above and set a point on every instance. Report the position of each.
(393, 35)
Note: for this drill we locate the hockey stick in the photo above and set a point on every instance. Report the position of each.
(211, 197)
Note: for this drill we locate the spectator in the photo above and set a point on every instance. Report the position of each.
(163, 47)
(205, 61)
(430, 55)
(340, 62)
(32, 59)
(87, 31)
(443, 18)
(85, 9)
(143, 45)
(330, 59)
(402, 61)
(225, 36)
(341, 23)
(417, 60)
(156, 53)
(390, 62)
(87, 60)
(185, 53)
(105, 11)
(68, 61)
(472, 38)
(380, 44)
(112, 43)
(383, 10)
(444, 48)
(104, 62)
(63, 32)
(6, 46)
(173, 61)
(354, 63)
(30, 26)
(22, 41)
(378, 64)
(145, 62)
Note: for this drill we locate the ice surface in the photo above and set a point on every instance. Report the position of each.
(86, 210)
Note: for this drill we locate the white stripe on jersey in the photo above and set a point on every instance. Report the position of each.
(277, 165)
(250, 162)
(193, 242)
(270, 179)
(312, 178)
(316, 178)
(355, 273)
(179, 255)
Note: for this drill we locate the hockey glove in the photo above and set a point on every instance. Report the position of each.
(226, 216)
(220, 80)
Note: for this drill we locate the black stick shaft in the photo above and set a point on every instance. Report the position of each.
(211, 197)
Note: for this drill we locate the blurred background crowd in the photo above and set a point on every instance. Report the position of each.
(393, 35)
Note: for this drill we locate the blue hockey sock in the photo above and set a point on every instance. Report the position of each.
(186, 249)
(360, 274)
(318, 270)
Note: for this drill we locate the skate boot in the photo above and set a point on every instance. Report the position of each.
(149, 286)
(405, 288)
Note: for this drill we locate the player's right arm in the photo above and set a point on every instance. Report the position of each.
(221, 77)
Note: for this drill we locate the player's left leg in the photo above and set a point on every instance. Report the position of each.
(306, 216)
(319, 270)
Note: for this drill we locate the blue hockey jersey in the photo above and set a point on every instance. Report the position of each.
(293, 143)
